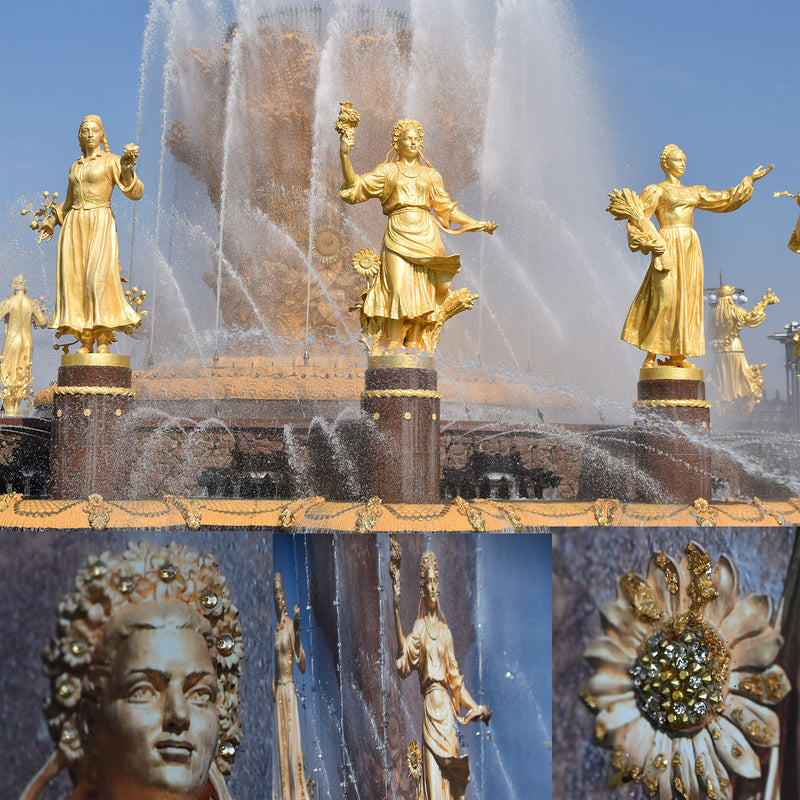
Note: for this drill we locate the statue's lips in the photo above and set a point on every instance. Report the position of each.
(175, 750)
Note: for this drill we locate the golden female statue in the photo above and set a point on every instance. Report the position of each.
(429, 651)
(410, 298)
(794, 239)
(288, 649)
(19, 313)
(90, 301)
(144, 671)
(740, 384)
(666, 316)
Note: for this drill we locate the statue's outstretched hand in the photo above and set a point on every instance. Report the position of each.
(346, 143)
(489, 227)
(761, 171)
(46, 231)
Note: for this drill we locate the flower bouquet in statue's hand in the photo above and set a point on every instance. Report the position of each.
(642, 234)
(46, 213)
(346, 123)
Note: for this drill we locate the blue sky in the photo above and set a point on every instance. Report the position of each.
(721, 78)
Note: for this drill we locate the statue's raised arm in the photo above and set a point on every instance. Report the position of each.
(408, 296)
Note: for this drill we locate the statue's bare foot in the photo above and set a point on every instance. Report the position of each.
(103, 348)
(650, 361)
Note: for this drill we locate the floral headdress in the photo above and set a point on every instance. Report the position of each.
(108, 583)
(683, 676)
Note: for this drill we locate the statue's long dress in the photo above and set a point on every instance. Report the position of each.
(287, 720)
(734, 376)
(20, 311)
(666, 316)
(429, 651)
(89, 292)
(415, 273)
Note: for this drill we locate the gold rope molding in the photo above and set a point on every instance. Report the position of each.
(94, 390)
(427, 393)
(672, 404)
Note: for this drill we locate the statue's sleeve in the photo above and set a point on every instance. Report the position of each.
(366, 186)
(410, 658)
(754, 318)
(455, 680)
(440, 201)
(727, 200)
(135, 189)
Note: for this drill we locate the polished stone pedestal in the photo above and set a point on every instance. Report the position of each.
(673, 426)
(400, 444)
(92, 406)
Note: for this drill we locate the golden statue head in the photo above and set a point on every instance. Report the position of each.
(402, 126)
(668, 155)
(429, 580)
(19, 284)
(144, 673)
(726, 290)
(88, 122)
(279, 595)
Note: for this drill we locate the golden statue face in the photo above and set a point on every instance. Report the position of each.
(676, 163)
(157, 724)
(410, 143)
(90, 134)
(279, 595)
(430, 588)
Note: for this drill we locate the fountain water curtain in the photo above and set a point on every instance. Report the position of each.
(251, 248)
(359, 717)
(238, 101)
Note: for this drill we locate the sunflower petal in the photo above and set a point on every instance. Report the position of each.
(618, 714)
(619, 623)
(726, 579)
(637, 741)
(713, 774)
(683, 764)
(759, 724)
(757, 651)
(602, 684)
(749, 616)
(767, 687)
(609, 654)
(657, 579)
(732, 747)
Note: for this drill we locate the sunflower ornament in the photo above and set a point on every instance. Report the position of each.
(366, 262)
(684, 677)
(414, 764)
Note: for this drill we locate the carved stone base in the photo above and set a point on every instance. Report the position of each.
(92, 406)
(400, 445)
(673, 427)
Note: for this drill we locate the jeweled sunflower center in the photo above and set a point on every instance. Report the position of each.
(677, 675)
